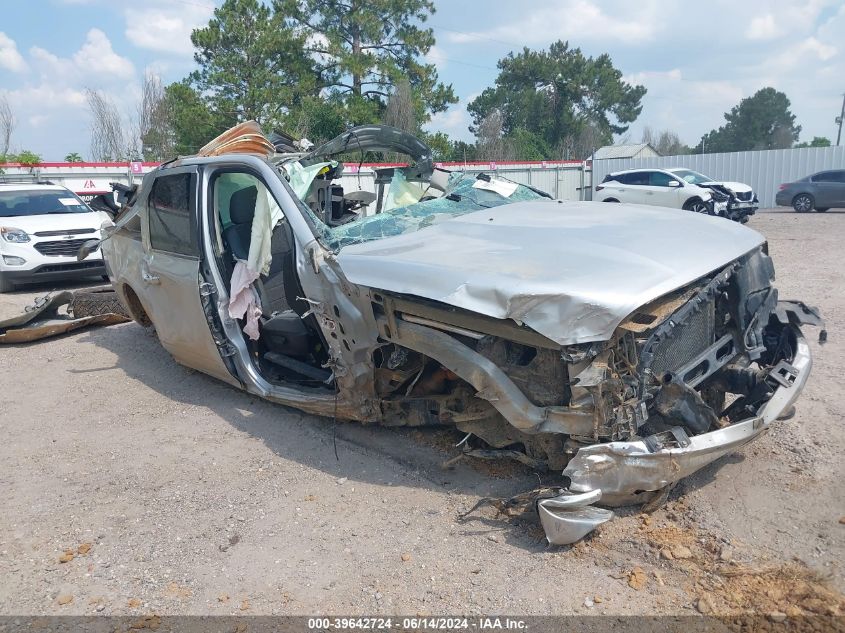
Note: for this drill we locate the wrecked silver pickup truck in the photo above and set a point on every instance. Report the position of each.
(623, 345)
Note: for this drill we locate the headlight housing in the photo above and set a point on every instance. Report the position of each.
(11, 234)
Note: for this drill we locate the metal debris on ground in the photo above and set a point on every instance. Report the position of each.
(85, 308)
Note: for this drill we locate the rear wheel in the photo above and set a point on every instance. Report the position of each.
(803, 203)
(5, 284)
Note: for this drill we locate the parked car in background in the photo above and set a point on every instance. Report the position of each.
(742, 203)
(661, 188)
(680, 188)
(42, 226)
(820, 191)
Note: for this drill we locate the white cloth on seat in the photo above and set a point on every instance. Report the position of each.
(267, 216)
(243, 299)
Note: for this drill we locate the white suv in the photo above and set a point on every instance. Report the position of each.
(42, 227)
(659, 187)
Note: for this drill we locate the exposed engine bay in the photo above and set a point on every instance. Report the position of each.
(698, 359)
(694, 362)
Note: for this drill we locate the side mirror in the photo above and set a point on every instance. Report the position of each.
(675, 183)
(88, 247)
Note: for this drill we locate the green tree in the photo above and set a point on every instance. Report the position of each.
(317, 119)
(24, 157)
(363, 48)
(192, 121)
(74, 157)
(524, 144)
(555, 94)
(441, 145)
(252, 62)
(762, 121)
(463, 152)
(818, 141)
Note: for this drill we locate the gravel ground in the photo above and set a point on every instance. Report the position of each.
(166, 491)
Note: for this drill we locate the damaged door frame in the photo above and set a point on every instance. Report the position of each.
(321, 283)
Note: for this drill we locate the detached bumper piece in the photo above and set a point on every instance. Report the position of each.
(570, 517)
(85, 308)
(623, 473)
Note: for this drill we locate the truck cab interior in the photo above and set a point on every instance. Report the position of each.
(290, 348)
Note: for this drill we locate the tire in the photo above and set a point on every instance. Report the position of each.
(822, 210)
(86, 304)
(803, 203)
(697, 206)
(5, 284)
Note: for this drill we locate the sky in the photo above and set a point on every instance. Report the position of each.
(697, 60)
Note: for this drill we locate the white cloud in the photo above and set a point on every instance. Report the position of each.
(455, 121)
(644, 78)
(436, 56)
(167, 28)
(94, 64)
(52, 95)
(800, 58)
(777, 18)
(685, 105)
(10, 58)
(97, 55)
(45, 96)
(762, 27)
(575, 20)
(52, 67)
(822, 51)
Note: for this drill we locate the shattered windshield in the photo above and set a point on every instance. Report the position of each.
(692, 177)
(464, 194)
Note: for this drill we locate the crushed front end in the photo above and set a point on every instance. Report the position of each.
(681, 382)
(684, 381)
(738, 206)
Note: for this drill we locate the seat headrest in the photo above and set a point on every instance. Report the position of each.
(242, 205)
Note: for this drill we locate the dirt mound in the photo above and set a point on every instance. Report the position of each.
(787, 596)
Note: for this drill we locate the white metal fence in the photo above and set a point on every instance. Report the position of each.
(565, 180)
(763, 170)
(561, 179)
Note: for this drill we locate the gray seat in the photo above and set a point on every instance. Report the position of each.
(241, 212)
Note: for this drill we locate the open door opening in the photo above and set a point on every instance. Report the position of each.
(257, 245)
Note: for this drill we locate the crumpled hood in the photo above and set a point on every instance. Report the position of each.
(736, 187)
(572, 271)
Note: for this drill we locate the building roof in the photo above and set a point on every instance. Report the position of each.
(622, 151)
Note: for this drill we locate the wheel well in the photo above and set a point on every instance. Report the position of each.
(803, 193)
(610, 200)
(691, 200)
(134, 306)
